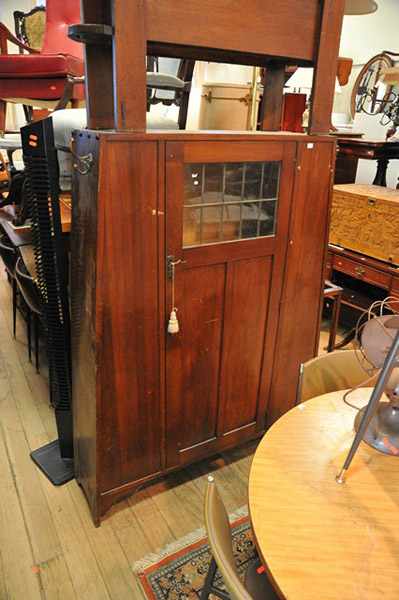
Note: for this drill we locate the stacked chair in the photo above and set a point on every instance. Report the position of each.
(9, 255)
(30, 293)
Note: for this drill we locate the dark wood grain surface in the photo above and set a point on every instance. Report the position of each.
(98, 69)
(287, 28)
(193, 359)
(272, 105)
(129, 55)
(127, 325)
(298, 330)
(326, 66)
(84, 269)
(248, 286)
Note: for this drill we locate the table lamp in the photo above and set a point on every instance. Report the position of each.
(378, 422)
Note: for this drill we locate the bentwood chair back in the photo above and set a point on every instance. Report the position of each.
(28, 287)
(256, 585)
(339, 370)
(30, 294)
(9, 255)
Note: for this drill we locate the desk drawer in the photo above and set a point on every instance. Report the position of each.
(361, 271)
(358, 152)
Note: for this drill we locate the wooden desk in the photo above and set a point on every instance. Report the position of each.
(8, 213)
(321, 540)
(384, 277)
(351, 149)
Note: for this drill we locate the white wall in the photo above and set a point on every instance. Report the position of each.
(366, 35)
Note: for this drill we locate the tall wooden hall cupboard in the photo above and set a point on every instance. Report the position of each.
(229, 228)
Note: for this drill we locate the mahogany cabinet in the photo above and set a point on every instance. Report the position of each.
(231, 229)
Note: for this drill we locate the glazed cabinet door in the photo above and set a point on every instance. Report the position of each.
(227, 215)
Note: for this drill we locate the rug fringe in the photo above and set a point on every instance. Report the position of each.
(191, 538)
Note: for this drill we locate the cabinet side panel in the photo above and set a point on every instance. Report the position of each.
(298, 330)
(83, 316)
(130, 423)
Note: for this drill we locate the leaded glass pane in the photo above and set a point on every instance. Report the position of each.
(231, 222)
(213, 183)
(229, 201)
(211, 224)
(267, 225)
(191, 227)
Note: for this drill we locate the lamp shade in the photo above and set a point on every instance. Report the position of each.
(360, 7)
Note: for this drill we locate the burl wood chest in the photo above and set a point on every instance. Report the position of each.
(364, 218)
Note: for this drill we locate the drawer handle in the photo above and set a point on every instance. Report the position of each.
(360, 270)
(371, 202)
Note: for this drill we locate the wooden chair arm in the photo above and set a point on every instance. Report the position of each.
(68, 91)
(6, 35)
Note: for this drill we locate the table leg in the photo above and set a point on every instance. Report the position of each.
(381, 175)
(334, 322)
(3, 106)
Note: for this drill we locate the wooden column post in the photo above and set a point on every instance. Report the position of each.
(332, 12)
(272, 105)
(98, 69)
(130, 49)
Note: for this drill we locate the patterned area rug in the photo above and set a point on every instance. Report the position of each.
(178, 572)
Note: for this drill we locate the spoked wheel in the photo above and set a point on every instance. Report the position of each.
(367, 95)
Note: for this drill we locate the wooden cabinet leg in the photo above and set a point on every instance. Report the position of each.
(334, 322)
(3, 107)
(381, 175)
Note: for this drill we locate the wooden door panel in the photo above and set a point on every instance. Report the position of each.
(247, 296)
(193, 356)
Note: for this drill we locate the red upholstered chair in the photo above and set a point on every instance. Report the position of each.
(51, 77)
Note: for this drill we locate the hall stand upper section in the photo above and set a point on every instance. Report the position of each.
(118, 34)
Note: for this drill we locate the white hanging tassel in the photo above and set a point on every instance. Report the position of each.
(173, 325)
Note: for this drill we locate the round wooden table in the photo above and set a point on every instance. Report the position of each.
(318, 539)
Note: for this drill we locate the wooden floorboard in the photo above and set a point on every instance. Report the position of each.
(49, 547)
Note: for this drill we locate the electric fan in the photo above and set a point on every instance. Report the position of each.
(378, 422)
(40, 158)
